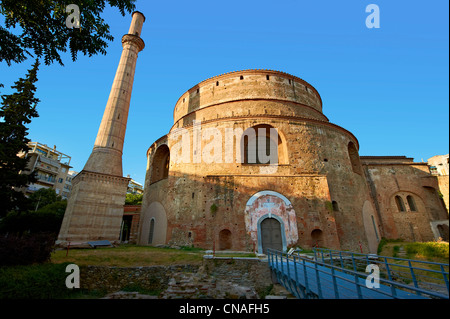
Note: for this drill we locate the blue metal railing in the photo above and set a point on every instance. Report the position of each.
(341, 275)
(420, 273)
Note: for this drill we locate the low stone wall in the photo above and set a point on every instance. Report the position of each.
(250, 272)
(112, 279)
(214, 273)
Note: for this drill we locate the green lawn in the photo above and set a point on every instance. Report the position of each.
(421, 251)
(425, 251)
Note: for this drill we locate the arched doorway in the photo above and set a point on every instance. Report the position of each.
(151, 231)
(317, 238)
(443, 231)
(153, 226)
(271, 205)
(225, 239)
(271, 236)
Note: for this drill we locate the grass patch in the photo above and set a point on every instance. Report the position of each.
(420, 251)
(383, 242)
(129, 256)
(424, 251)
(431, 251)
(40, 281)
(235, 254)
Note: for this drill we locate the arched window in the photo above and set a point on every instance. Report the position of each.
(160, 165)
(411, 203)
(263, 145)
(400, 203)
(354, 158)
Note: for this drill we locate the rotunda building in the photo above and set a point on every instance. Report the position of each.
(250, 163)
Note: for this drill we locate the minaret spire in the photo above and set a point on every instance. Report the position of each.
(106, 157)
(95, 207)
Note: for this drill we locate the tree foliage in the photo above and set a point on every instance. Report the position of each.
(37, 29)
(45, 215)
(42, 31)
(43, 197)
(133, 199)
(16, 111)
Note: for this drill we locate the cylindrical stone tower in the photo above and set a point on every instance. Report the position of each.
(106, 156)
(203, 189)
(95, 207)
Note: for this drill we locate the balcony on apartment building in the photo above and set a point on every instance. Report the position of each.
(46, 178)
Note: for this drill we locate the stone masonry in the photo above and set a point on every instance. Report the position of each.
(318, 192)
(95, 208)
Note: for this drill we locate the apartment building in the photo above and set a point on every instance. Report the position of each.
(135, 187)
(51, 167)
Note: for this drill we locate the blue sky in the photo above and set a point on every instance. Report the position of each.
(388, 86)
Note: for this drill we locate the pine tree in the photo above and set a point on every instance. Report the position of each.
(16, 111)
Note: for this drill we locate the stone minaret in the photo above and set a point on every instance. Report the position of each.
(95, 207)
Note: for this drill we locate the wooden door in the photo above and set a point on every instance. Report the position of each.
(271, 234)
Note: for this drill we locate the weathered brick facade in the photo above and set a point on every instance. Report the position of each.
(319, 191)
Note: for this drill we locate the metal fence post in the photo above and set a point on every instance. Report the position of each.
(276, 259)
(335, 287)
(358, 288)
(305, 273)
(413, 277)
(319, 288)
(445, 276)
(287, 265)
(353, 262)
(331, 257)
(394, 292)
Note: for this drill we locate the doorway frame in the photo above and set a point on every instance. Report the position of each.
(283, 232)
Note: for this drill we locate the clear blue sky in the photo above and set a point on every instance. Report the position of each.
(388, 86)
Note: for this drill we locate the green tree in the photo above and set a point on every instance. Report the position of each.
(43, 32)
(47, 219)
(37, 29)
(43, 197)
(133, 199)
(16, 111)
